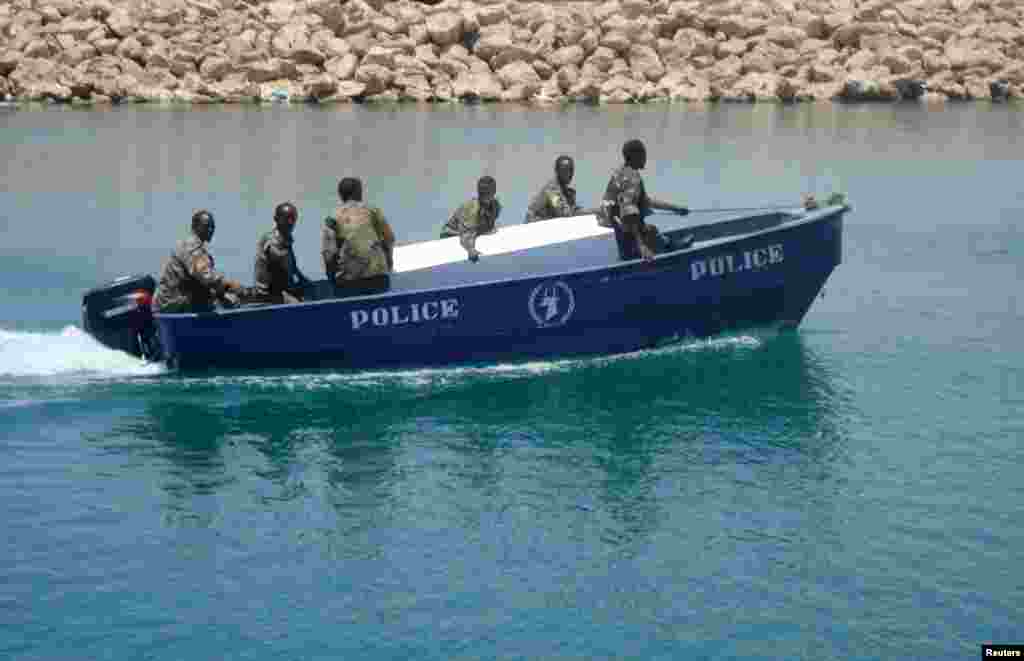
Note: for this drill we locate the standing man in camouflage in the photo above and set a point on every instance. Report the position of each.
(188, 281)
(557, 199)
(476, 217)
(278, 279)
(357, 244)
(626, 203)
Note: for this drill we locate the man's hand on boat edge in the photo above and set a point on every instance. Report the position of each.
(668, 206)
(810, 203)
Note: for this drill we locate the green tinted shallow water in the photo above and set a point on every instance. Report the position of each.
(849, 490)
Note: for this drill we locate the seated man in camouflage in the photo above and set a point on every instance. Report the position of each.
(476, 217)
(626, 204)
(188, 281)
(557, 199)
(278, 279)
(357, 244)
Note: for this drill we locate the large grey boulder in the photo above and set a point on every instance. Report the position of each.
(216, 68)
(616, 41)
(514, 53)
(131, 49)
(40, 48)
(567, 55)
(77, 54)
(587, 90)
(443, 91)
(445, 28)
(269, 70)
(567, 77)
(493, 41)
(849, 36)
(787, 37)
(477, 86)
(543, 69)
(380, 56)
(520, 93)
(319, 87)
(330, 12)
(330, 46)
(121, 22)
(761, 87)
(408, 65)
(376, 78)
(518, 73)
(895, 62)
(452, 65)
(279, 13)
(39, 79)
(973, 53)
(292, 42)
(602, 58)
(735, 26)
(427, 53)
(348, 90)
(491, 15)
(619, 89)
(645, 62)
(79, 29)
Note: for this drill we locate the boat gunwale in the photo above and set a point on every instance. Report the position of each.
(805, 218)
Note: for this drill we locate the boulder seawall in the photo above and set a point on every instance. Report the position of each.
(619, 51)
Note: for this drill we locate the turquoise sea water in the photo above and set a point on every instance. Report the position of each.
(848, 490)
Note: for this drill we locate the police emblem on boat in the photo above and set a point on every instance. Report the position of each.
(551, 303)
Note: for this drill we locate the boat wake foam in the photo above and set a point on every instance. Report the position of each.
(72, 352)
(69, 352)
(433, 377)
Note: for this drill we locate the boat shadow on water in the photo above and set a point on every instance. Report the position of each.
(608, 425)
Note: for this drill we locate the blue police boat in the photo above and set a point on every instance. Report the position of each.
(553, 288)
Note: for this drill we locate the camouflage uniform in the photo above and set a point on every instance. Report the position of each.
(276, 271)
(553, 201)
(357, 243)
(625, 196)
(188, 281)
(470, 221)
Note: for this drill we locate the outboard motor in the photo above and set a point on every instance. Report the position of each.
(118, 315)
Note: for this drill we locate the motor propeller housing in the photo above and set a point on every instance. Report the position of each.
(119, 316)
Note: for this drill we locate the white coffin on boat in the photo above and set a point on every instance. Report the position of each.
(506, 239)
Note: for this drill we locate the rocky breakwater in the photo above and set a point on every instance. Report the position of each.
(619, 51)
